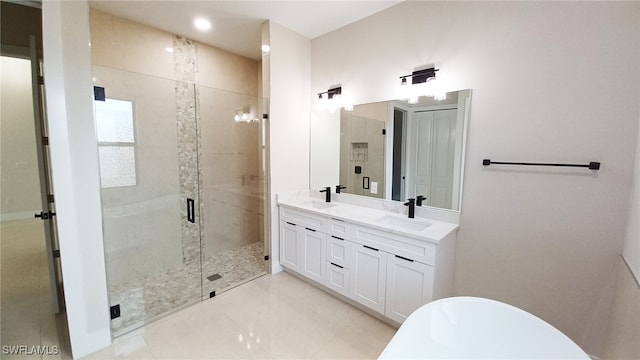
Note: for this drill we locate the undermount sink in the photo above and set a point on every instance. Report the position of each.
(317, 204)
(407, 224)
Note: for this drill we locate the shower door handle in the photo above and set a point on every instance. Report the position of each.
(191, 217)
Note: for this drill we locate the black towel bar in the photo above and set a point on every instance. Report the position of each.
(592, 165)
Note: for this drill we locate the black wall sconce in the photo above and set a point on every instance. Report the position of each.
(419, 76)
(332, 99)
(331, 93)
(423, 83)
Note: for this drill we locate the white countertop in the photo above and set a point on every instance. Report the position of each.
(392, 219)
(478, 328)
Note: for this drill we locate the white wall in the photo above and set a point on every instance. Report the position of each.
(20, 189)
(631, 251)
(552, 82)
(289, 73)
(76, 178)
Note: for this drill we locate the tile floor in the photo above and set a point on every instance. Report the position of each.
(26, 310)
(273, 317)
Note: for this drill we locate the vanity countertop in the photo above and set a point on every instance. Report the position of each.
(393, 220)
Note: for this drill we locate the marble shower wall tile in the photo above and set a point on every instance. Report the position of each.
(220, 69)
(123, 44)
(186, 72)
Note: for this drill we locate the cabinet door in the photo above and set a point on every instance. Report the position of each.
(290, 249)
(368, 277)
(314, 249)
(409, 286)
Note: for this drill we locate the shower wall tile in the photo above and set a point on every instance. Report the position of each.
(123, 44)
(362, 144)
(224, 70)
(186, 71)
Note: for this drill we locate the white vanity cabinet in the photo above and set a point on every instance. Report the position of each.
(303, 248)
(385, 271)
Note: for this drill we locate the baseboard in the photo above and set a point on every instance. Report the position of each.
(18, 215)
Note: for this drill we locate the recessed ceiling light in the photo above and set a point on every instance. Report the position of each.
(202, 24)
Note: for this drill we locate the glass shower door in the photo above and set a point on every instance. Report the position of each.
(232, 176)
(148, 162)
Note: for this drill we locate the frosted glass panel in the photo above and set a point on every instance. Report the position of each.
(117, 166)
(114, 121)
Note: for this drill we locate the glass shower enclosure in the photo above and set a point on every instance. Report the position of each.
(182, 192)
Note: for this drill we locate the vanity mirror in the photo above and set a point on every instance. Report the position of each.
(394, 149)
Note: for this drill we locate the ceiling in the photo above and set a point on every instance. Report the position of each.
(236, 25)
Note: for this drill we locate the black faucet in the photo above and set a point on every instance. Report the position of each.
(419, 199)
(328, 195)
(412, 207)
(339, 187)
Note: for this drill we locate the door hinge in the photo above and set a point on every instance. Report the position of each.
(115, 311)
(51, 198)
(40, 80)
(56, 253)
(99, 93)
(45, 140)
(384, 131)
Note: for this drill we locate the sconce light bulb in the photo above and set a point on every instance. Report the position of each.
(440, 96)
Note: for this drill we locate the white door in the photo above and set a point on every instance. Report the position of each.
(46, 188)
(409, 286)
(368, 277)
(443, 158)
(433, 151)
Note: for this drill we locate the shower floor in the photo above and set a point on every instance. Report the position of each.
(234, 267)
(146, 299)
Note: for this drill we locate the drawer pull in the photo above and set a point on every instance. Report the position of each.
(337, 219)
(341, 267)
(403, 258)
(335, 237)
(310, 229)
(369, 247)
(290, 223)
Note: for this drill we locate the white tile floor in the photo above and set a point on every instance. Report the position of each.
(26, 310)
(273, 317)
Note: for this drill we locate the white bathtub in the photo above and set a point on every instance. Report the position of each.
(478, 328)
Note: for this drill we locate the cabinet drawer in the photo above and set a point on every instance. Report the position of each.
(413, 249)
(302, 218)
(339, 228)
(338, 278)
(338, 250)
